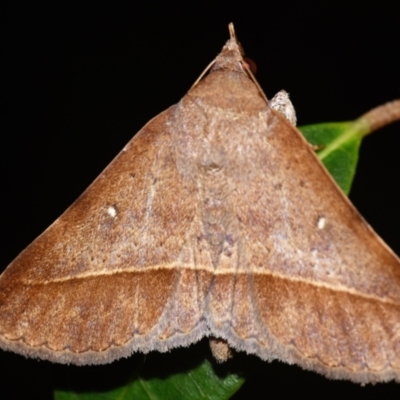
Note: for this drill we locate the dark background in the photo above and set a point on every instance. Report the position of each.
(78, 82)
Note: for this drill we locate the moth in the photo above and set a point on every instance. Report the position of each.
(216, 220)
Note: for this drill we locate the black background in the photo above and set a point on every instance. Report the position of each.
(77, 82)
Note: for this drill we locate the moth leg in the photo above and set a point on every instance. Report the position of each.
(220, 349)
(281, 103)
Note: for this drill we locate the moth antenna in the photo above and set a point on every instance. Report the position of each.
(245, 65)
(247, 68)
(203, 73)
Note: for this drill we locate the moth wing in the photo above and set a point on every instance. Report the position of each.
(316, 285)
(101, 281)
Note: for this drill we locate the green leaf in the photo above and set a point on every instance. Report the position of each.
(201, 382)
(337, 145)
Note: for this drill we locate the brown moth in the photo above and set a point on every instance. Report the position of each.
(217, 219)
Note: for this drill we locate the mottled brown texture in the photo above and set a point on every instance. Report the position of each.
(216, 219)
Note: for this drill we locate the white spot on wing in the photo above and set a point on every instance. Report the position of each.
(112, 212)
(321, 223)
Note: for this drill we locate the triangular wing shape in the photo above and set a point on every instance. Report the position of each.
(216, 219)
(102, 281)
